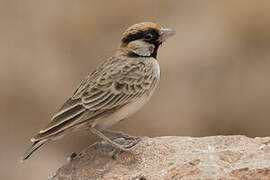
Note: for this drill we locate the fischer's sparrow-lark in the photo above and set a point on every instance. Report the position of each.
(117, 88)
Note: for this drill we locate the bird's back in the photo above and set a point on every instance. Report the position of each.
(113, 85)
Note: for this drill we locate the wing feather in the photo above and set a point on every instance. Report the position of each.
(58, 128)
(112, 85)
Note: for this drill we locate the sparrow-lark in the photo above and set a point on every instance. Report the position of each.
(117, 88)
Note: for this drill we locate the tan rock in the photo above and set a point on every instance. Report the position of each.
(216, 157)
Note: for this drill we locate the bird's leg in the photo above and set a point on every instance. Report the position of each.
(120, 134)
(115, 144)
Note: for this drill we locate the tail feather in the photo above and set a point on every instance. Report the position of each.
(35, 146)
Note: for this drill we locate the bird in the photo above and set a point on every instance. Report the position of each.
(116, 89)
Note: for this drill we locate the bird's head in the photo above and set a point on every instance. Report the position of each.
(144, 39)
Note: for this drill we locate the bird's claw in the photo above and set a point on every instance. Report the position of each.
(129, 143)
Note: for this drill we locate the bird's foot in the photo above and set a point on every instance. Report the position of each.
(120, 134)
(124, 146)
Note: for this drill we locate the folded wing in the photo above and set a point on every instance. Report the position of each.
(114, 84)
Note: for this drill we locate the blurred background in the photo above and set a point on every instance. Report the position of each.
(214, 72)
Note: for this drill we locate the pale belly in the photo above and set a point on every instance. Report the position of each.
(124, 112)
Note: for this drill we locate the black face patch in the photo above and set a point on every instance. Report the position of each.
(149, 35)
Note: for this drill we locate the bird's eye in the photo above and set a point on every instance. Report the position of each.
(148, 36)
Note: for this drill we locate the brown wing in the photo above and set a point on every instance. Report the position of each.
(113, 84)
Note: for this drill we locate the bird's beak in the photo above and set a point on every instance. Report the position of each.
(166, 33)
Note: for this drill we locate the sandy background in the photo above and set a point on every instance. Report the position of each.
(215, 71)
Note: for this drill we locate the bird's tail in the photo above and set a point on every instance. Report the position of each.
(32, 149)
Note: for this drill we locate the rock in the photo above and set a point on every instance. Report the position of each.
(215, 157)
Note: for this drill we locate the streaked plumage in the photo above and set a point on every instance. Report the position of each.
(117, 88)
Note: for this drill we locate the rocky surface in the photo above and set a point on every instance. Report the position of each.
(215, 157)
